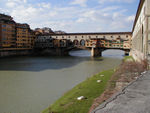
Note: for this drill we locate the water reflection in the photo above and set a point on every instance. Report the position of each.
(113, 53)
(56, 63)
(39, 63)
(31, 84)
(80, 53)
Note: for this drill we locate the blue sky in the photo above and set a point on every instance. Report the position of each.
(73, 15)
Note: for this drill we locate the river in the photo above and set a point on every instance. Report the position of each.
(31, 84)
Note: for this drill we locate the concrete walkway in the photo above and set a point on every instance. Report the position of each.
(135, 98)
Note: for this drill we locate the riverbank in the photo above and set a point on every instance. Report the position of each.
(69, 103)
(127, 72)
(98, 88)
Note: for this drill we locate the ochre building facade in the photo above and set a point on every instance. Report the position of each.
(14, 36)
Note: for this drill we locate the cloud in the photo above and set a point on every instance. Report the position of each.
(79, 2)
(10, 4)
(108, 19)
(14, 3)
(130, 18)
(124, 1)
(69, 17)
(18, 1)
(45, 5)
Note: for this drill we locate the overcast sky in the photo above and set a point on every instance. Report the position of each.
(73, 15)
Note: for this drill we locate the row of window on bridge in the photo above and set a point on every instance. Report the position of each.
(49, 43)
(91, 36)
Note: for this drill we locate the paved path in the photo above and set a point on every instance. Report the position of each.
(135, 98)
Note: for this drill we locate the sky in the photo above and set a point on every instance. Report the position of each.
(73, 15)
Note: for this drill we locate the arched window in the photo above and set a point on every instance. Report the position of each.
(76, 42)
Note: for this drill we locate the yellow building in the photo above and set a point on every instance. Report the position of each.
(31, 40)
(24, 36)
(14, 35)
(7, 32)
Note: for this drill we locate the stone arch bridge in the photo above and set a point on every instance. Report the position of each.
(61, 44)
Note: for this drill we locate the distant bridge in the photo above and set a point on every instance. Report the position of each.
(96, 42)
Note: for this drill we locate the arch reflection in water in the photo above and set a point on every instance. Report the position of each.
(113, 53)
(80, 53)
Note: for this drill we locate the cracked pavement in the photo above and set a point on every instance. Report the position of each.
(134, 98)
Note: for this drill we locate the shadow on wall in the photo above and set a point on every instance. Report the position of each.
(39, 63)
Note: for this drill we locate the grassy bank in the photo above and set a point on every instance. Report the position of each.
(96, 93)
(90, 89)
(128, 58)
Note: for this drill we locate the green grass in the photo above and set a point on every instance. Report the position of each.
(89, 89)
(128, 58)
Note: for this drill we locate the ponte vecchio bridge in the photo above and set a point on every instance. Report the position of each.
(61, 44)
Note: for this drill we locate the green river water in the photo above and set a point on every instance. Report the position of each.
(31, 84)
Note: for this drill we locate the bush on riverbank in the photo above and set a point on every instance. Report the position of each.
(90, 89)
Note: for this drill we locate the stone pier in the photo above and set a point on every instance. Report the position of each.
(95, 52)
(7, 53)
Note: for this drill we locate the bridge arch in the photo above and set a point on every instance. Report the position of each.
(76, 42)
(70, 43)
(82, 42)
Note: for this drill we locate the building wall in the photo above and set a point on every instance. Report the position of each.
(140, 46)
(148, 25)
(31, 40)
(8, 37)
(0, 35)
(15, 35)
(44, 42)
(24, 36)
(149, 36)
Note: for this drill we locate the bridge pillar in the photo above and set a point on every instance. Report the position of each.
(95, 52)
(61, 52)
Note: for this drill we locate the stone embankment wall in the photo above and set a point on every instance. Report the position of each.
(15, 53)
